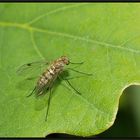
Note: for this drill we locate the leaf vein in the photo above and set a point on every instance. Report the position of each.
(35, 45)
(53, 12)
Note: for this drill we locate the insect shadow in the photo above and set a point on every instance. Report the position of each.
(50, 79)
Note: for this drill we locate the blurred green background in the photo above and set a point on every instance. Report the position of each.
(127, 123)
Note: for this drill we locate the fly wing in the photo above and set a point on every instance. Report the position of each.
(32, 69)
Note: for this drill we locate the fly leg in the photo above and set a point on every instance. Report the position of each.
(68, 82)
(50, 89)
(31, 78)
(70, 78)
(88, 74)
(49, 98)
(80, 63)
(31, 92)
(76, 63)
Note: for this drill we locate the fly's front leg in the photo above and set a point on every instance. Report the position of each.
(78, 64)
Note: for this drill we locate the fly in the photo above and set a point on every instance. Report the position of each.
(48, 77)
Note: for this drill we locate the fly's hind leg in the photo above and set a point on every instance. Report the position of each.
(68, 82)
(49, 98)
(50, 89)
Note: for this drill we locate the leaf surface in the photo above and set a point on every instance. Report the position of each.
(104, 36)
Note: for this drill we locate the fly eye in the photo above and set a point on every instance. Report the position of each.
(68, 62)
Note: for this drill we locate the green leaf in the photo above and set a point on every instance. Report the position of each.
(104, 36)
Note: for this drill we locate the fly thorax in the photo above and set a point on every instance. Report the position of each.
(60, 65)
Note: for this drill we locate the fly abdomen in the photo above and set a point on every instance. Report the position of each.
(42, 81)
(52, 71)
(46, 77)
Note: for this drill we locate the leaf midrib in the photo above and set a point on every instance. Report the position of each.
(35, 29)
